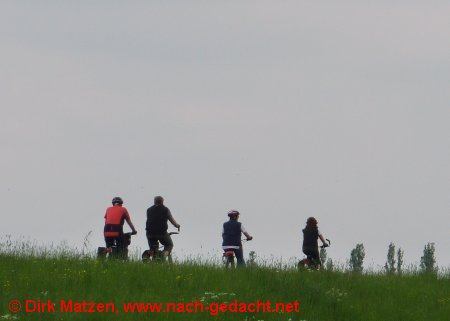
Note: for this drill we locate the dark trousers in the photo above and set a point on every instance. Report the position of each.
(120, 250)
(312, 253)
(164, 239)
(117, 241)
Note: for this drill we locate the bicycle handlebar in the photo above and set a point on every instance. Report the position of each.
(326, 245)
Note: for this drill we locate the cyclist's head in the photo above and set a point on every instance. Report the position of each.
(159, 200)
(117, 200)
(311, 222)
(233, 214)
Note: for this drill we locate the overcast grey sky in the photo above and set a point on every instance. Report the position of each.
(280, 109)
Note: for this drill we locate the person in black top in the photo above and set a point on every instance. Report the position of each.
(156, 226)
(311, 234)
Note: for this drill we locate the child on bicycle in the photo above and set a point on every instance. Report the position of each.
(310, 247)
(231, 235)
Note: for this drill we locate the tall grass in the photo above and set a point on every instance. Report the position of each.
(46, 274)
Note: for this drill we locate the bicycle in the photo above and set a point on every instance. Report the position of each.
(157, 254)
(229, 256)
(119, 250)
(309, 262)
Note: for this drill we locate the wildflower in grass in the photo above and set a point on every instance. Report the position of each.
(7, 284)
(444, 300)
(211, 296)
(337, 294)
(9, 317)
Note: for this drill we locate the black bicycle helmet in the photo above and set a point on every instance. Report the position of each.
(117, 200)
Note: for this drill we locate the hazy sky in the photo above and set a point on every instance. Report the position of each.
(279, 109)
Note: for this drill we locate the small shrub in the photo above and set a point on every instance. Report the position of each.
(399, 261)
(251, 259)
(323, 255)
(329, 265)
(427, 261)
(357, 258)
(389, 266)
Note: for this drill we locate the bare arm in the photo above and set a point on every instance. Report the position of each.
(131, 225)
(248, 236)
(172, 220)
(244, 231)
(323, 240)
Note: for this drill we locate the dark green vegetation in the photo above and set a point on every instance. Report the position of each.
(323, 296)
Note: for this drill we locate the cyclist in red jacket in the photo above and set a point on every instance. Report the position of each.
(115, 217)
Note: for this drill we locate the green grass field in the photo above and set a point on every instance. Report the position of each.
(322, 296)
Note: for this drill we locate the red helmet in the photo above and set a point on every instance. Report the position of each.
(233, 213)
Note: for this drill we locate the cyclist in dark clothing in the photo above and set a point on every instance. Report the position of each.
(231, 235)
(311, 234)
(156, 226)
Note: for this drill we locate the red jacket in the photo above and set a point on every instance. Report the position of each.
(115, 216)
